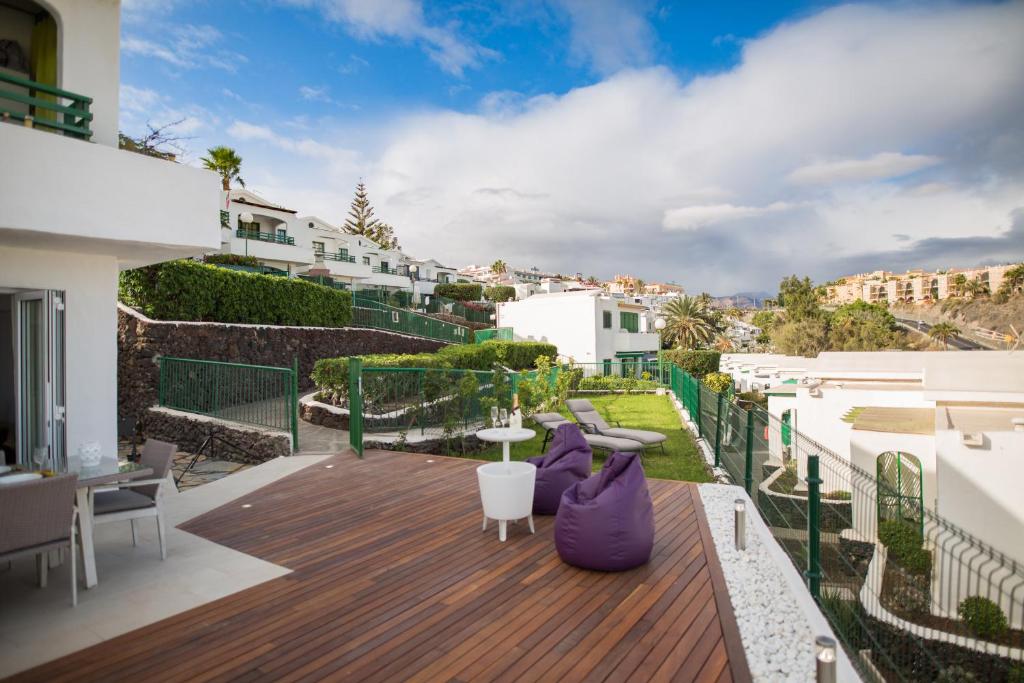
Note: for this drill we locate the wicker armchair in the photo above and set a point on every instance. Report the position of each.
(139, 498)
(37, 517)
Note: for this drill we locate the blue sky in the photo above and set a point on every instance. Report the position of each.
(671, 138)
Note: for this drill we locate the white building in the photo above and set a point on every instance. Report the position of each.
(586, 325)
(75, 211)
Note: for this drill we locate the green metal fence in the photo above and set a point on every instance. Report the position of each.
(891, 575)
(366, 313)
(48, 107)
(441, 304)
(257, 395)
(375, 295)
(499, 333)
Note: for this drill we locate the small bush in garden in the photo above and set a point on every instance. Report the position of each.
(500, 293)
(459, 291)
(983, 617)
(903, 540)
(955, 674)
(718, 382)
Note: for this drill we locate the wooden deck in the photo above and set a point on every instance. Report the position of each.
(393, 580)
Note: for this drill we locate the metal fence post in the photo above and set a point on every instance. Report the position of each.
(355, 404)
(294, 403)
(162, 389)
(718, 430)
(748, 465)
(813, 572)
(696, 418)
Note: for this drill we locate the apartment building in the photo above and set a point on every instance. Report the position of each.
(588, 326)
(913, 286)
(76, 211)
(291, 245)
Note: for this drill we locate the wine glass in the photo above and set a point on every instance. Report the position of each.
(494, 416)
(504, 417)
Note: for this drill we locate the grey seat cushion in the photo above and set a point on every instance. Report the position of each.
(642, 435)
(550, 420)
(120, 500)
(611, 443)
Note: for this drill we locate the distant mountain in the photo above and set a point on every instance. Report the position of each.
(741, 300)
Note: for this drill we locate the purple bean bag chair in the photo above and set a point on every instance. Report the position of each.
(606, 522)
(567, 461)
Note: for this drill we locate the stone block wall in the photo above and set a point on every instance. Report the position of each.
(141, 342)
(190, 431)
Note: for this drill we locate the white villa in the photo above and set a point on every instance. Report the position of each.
(288, 244)
(587, 325)
(952, 422)
(75, 211)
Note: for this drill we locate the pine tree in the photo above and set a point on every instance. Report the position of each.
(360, 221)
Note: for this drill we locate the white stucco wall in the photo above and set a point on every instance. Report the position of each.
(568, 322)
(153, 209)
(88, 58)
(90, 286)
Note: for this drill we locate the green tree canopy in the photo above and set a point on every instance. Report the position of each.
(799, 298)
(860, 326)
(807, 337)
(361, 221)
(226, 163)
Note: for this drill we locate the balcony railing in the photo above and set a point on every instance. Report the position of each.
(264, 236)
(225, 219)
(387, 271)
(45, 106)
(340, 256)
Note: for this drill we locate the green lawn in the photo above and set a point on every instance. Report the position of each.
(682, 459)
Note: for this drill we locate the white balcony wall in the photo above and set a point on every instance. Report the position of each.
(101, 200)
(636, 342)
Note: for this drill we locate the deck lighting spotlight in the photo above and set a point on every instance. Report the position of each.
(740, 526)
(825, 649)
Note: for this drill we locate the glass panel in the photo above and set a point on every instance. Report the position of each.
(32, 446)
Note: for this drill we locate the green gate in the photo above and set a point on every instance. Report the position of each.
(899, 488)
(355, 404)
(257, 395)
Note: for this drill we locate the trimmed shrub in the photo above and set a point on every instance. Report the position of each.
(460, 291)
(697, 362)
(521, 355)
(500, 293)
(903, 540)
(469, 356)
(983, 617)
(185, 290)
(232, 259)
(613, 383)
(718, 382)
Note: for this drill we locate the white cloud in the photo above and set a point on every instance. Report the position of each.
(306, 147)
(313, 93)
(186, 46)
(609, 35)
(696, 217)
(878, 167)
(374, 20)
(709, 181)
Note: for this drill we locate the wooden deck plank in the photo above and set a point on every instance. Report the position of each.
(393, 580)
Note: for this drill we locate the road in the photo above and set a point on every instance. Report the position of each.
(955, 342)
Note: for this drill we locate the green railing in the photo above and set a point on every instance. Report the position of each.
(225, 219)
(342, 256)
(499, 333)
(386, 271)
(264, 236)
(255, 395)
(45, 106)
(442, 304)
(398, 298)
(383, 317)
(325, 281)
(890, 575)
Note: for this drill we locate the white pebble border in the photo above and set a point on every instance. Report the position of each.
(777, 625)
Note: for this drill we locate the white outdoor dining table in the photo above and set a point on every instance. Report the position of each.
(506, 436)
(108, 472)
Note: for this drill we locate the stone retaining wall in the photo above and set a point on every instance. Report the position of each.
(142, 341)
(189, 431)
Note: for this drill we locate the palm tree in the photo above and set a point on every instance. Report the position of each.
(687, 323)
(975, 288)
(640, 285)
(734, 312)
(724, 344)
(943, 332)
(499, 267)
(226, 163)
(959, 284)
(593, 281)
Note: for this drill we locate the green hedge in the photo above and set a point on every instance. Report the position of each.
(718, 382)
(331, 374)
(904, 543)
(697, 362)
(459, 291)
(612, 383)
(186, 290)
(232, 260)
(500, 293)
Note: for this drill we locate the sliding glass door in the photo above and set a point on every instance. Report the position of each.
(39, 379)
